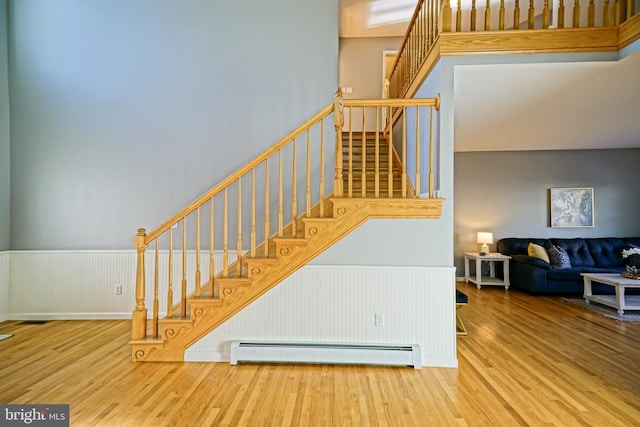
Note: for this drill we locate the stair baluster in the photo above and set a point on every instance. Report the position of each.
(267, 225)
(170, 278)
(308, 181)
(239, 239)
(294, 198)
(198, 278)
(211, 246)
(363, 178)
(338, 124)
(322, 168)
(417, 194)
(156, 301)
(183, 298)
(253, 212)
(377, 155)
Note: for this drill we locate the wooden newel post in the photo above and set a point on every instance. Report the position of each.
(338, 123)
(445, 16)
(139, 318)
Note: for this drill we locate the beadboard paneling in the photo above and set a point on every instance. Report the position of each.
(4, 285)
(339, 303)
(318, 303)
(71, 284)
(80, 284)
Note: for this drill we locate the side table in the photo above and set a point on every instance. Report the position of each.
(491, 279)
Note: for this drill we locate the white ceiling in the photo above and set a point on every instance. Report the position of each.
(542, 106)
(375, 18)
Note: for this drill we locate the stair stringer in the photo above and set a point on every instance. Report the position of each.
(207, 313)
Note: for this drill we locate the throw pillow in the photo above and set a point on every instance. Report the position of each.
(631, 255)
(558, 257)
(538, 252)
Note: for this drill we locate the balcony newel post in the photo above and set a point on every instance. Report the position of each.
(139, 317)
(445, 25)
(338, 123)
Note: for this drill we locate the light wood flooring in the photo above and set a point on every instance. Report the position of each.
(527, 360)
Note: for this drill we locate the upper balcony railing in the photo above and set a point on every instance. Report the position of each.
(432, 18)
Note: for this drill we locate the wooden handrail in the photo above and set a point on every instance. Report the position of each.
(237, 174)
(411, 102)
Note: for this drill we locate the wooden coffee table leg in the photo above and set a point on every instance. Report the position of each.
(587, 289)
(620, 299)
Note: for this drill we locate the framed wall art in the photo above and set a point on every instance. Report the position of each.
(571, 207)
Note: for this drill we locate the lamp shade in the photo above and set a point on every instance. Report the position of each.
(484, 237)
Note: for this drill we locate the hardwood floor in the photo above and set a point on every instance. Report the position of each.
(526, 361)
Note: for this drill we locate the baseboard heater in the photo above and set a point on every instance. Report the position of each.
(319, 352)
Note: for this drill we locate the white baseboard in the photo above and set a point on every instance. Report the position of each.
(440, 362)
(206, 356)
(5, 277)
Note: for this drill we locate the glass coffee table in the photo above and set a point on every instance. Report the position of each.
(619, 301)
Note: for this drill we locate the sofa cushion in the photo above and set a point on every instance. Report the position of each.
(632, 240)
(577, 250)
(607, 252)
(558, 257)
(572, 274)
(538, 252)
(519, 246)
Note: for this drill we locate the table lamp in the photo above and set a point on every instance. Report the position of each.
(484, 238)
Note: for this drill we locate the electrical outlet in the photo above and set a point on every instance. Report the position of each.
(379, 319)
(117, 290)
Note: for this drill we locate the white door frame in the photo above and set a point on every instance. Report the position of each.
(386, 53)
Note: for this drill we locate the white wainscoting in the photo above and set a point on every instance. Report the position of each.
(339, 304)
(317, 303)
(4, 285)
(71, 284)
(80, 284)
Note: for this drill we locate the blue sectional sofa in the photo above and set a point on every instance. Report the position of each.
(587, 255)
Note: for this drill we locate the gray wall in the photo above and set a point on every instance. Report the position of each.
(361, 64)
(5, 196)
(391, 242)
(125, 111)
(507, 193)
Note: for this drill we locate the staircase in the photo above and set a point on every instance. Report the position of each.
(361, 166)
(370, 181)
